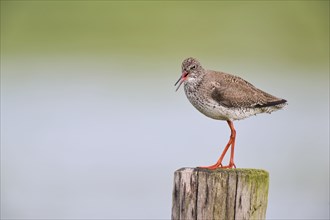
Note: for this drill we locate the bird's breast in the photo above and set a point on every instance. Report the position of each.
(199, 98)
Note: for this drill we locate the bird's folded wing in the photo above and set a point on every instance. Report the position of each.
(238, 93)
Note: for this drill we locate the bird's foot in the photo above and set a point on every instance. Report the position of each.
(230, 166)
(216, 166)
(212, 167)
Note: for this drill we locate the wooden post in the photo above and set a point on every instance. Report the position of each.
(219, 194)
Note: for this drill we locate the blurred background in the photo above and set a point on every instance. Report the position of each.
(91, 127)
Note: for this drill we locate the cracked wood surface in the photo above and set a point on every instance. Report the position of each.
(220, 194)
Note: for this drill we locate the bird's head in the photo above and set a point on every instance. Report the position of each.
(190, 69)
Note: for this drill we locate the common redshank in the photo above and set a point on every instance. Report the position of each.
(223, 96)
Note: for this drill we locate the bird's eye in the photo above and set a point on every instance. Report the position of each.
(193, 67)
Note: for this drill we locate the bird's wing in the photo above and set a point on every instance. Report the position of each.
(233, 91)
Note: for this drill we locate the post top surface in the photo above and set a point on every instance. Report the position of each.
(242, 171)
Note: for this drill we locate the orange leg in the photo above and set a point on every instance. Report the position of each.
(231, 143)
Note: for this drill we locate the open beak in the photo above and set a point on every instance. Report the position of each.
(182, 78)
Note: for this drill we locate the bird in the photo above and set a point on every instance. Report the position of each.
(223, 96)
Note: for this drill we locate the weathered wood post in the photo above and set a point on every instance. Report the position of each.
(220, 194)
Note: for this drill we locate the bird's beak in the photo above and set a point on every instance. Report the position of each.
(182, 78)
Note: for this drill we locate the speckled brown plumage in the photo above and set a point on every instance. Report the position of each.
(223, 96)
